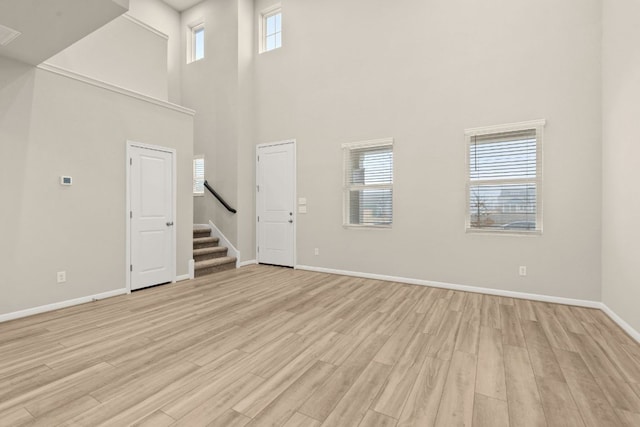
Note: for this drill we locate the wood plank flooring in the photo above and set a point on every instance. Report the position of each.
(267, 346)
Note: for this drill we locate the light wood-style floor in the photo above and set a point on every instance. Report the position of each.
(267, 346)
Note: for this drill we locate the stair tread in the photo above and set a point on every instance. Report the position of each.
(201, 227)
(214, 262)
(211, 250)
(205, 239)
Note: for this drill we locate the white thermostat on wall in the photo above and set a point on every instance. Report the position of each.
(66, 180)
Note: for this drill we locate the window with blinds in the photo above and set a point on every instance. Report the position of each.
(504, 178)
(198, 176)
(368, 183)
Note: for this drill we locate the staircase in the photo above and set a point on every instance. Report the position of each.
(208, 256)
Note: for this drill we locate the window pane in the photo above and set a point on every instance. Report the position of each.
(198, 186)
(271, 25)
(503, 156)
(372, 166)
(278, 41)
(503, 207)
(370, 207)
(198, 42)
(278, 22)
(270, 42)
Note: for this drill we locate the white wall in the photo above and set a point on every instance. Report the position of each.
(161, 16)
(122, 53)
(51, 126)
(422, 73)
(210, 86)
(246, 170)
(621, 151)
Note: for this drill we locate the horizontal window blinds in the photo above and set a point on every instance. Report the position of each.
(504, 176)
(198, 176)
(369, 184)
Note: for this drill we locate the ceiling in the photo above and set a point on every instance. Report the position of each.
(49, 26)
(181, 5)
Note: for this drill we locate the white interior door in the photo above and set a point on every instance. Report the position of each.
(275, 203)
(151, 203)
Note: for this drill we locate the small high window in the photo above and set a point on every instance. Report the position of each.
(271, 29)
(504, 178)
(198, 176)
(196, 42)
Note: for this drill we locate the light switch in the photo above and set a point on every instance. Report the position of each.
(302, 209)
(302, 201)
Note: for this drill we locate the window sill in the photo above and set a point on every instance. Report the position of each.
(270, 50)
(513, 233)
(367, 227)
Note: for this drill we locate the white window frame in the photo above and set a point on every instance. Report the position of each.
(191, 41)
(538, 126)
(347, 148)
(195, 177)
(262, 27)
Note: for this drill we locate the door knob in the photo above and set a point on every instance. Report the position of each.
(290, 221)
(169, 224)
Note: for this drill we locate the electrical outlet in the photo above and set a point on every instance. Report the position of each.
(317, 251)
(62, 276)
(523, 270)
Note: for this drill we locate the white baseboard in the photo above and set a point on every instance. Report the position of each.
(192, 269)
(624, 325)
(232, 251)
(490, 291)
(182, 277)
(61, 304)
(465, 288)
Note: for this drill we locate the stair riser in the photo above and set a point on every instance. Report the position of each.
(209, 256)
(212, 260)
(206, 271)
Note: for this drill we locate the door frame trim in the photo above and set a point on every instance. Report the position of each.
(174, 208)
(294, 201)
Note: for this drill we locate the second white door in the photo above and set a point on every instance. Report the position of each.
(275, 176)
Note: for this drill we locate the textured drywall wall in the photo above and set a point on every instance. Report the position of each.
(122, 53)
(51, 126)
(621, 151)
(422, 73)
